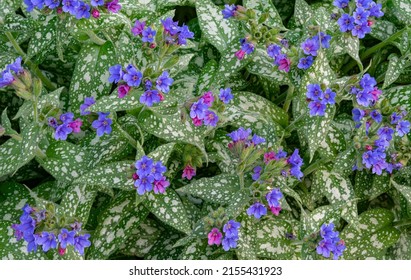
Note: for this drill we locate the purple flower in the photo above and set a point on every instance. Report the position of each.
(395, 118)
(96, 3)
(246, 46)
(305, 62)
(148, 35)
(273, 50)
(66, 238)
(76, 125)
(184, 34)
(325, 247)
(360, 30)
(324, 39)
(144, 166)
(296, 172)
(67, 117)
(357, 114)
(116, 73)
(81, 242)
(310, 47)
(62, 131)
(6, 78)
(346, 23)
(403, 128)
(123, 90)
(208, 98)
(375, 10)
(47, 240)
(88, 101)
(150, 97)
(225, 95)
(214, 237)
(382, 143)
(283, 63)
(256, 140)
(188, 172)
(82, 10)
(170, 27)
(229, 243)
(273, 197)
(256, 173)
(160, 185)
(295, 159)
(317, 108)
(341, 3)
(157, 170)
(102, 124)
(229, 11)
(329, 96)
(133, 77)
(18, 234)
(210, 118)
(113, 6)
(16, 66)
(368, 82)
(314, 92)
(327, 231)
(257, 210)
(144, 184)
(52, 122)
(368, 159)
(385, 132)
(338, 249)
(69, 6)
(376, 116)
(164, 82)
(364, 98)
(138, 28)
(363, 3)
(231, 229)
(240, 134)
(198, 109)
(361, 16)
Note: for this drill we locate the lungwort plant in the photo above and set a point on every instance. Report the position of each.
(184, 129)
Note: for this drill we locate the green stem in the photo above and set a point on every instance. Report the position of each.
(293, 125)
(94, 38)
(33, 67)
(375, 48)
(315, 166)
(241, 177)
(40, 153)
(288, 99)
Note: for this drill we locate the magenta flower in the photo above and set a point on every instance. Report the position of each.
(275, 210)
(138, 27)
(76, 125)
(113, 6)
(208, 98)
(123, 90)
(197, 121)
(161, 185)
(189, 172)
(95, 13)
(214, 237)
(240, 54)
(284, 63)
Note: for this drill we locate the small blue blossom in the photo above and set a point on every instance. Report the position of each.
(229, 11)
(229, 243)
(150, 97)
(385, 132)
(210, 118)
(305, 62)
(256, 173)
(323, 39)
(133, 77)
(116, 73)
(62, 131)
(403, 128)
(360, 16)
(96, 3)
(198, 109)
(357, 114)
(240, 134)
(329, 96)
(364, 98)
(376, 116)
(67, 117)
(342, 4)
(82, 10)
(395, 118)
(47, 240)
(368, 82)
(69, 6)
(144, 166)
(296, 172)
(164, 82)
(325, 247)
(256, 140)
(148, 35)
(327, 231)
(52, 4)
(310, 47)
(375, 10)
(157, 170)
(102, 124)
(81, 242)
(66, 238)
(225, 95)
(317, 108)
(231, 229)
(170, 27)
(295, 159)
(273, 50)
(6, 78)
(16, 66)
(184, 34)
(88, 101)
(360, 30)
(144, 184)
(363, 3)
(273, 197)
(314, 92)
(246, 46)
(257, 210)
(346, 23)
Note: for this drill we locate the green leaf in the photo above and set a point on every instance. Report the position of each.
(5, 122)
(371, 236)
(336, 189)
(262, 65)
(162, 153)
(198, 249)
(312, 222)
(303, 12)
(404, 190)
(113, 103)
(218, 31)
(265, 6)
(163, 248)
(246, 245)
(402, 9)
(399, 96)
(219, 189)
(350, 45)
(206, 79)
(344, 162)
(90, 77)
(43, 40)
(396, 66)
(382, 29)
(402, 250)
(169, 209)
(116, 224)
(238, 204)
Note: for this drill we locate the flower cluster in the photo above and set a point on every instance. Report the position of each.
(33, 219)
(310, 48)
(246, 48)
(230, 229)
(273, 200)
(7, 77)
(132, 77)
(280, 59)
(150, 175)
(76, 8)
(200, 111)
(379, 128)
(103, 123)
(360, 22)
(330, 242)
(318, 99)
(66, 126)
(241, 138)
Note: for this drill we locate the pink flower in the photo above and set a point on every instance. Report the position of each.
(189, 172)
(161, 96)
(123, 90)
(113, 6)
(376, 93)
(197, 121)
(76, 125)
(284, 64)
(269, 157)
(95, 13)
(138, 27)
(214, 237)
(62, 251)
(240, 54)
(161, 185)
(208, 98)
(275, 210)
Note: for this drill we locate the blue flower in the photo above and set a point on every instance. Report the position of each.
(229, 11)
(361, 16)
(325, 247)
(360, 30)
(164, 82)
(66, 238)
(305, 62)
(403, 128)
(225, 95)
(256, 173)
(368, 82)
(310, 47)
(62, 131)
(88, 101)
(314, 92)
(329, 96)
(210, 118)
(157, 170)
(15, 66)
(148, 35)
(364, 98)
(82, 10)
(6, 78)
(67, 117)
(385, 132)
(184, 34)
(246, 46)
(116, 73)
(231, 229)
(382, 143)
(69, 6)
(323, 39)
(357, 114)
(273, 197)
(229, 243)
(29, 5)
(171, 27)
(375, 10)
(317, 108)
(240, 134)
(144, 184)
(52, 4)
(133, 77)
(338, 249)
(273, 50)
(364, 3)
(144, 166)
(296, 172)
(376, 116)
(346, 23)
(257, 210)
(102, 124)
(327, 231)
(198, 109)
(341, 3)
(81, 242)
(47, 240)
(150, 97)
(96, 3)
(295, 159)
(395, 118)
(256, 140)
